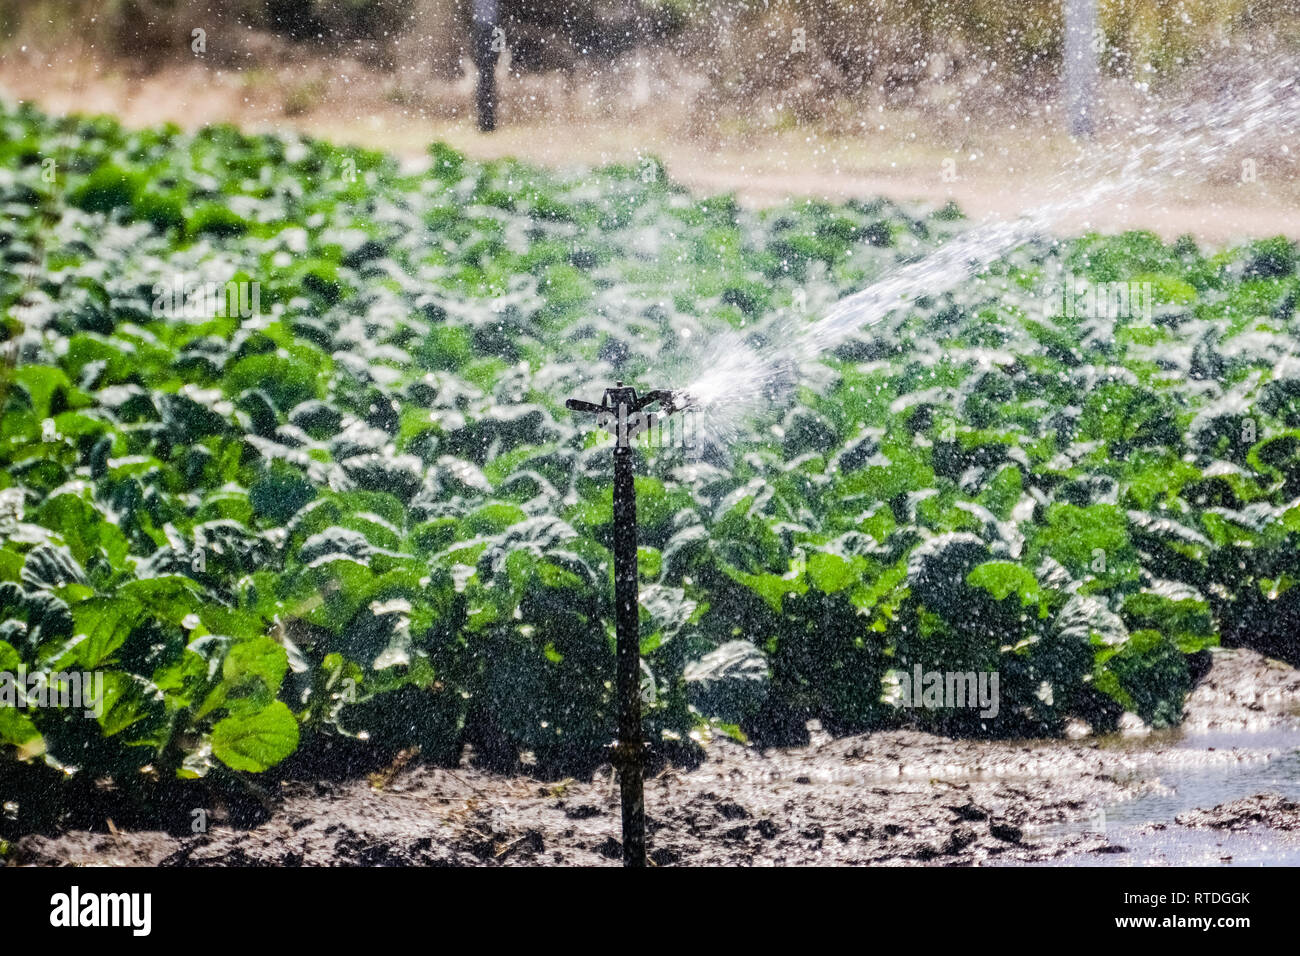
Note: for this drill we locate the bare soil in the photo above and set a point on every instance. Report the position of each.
(1265, 809)
(890, 798)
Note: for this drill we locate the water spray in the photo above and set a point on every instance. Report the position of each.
(732, 379)
(622, 412)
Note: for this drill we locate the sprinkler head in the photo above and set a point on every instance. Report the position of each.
(671, 400)
(621, 410)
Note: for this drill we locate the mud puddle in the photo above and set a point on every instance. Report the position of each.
(1253, 820)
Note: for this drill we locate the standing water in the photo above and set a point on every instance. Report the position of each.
(1159, 826)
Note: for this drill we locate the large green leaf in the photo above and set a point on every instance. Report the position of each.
(258, 741)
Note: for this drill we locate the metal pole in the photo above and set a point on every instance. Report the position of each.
(485, 58)
(631, 752)
(1080, 65)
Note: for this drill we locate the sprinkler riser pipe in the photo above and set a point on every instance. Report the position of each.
(631, 750)
(483, 26)
(622, 411)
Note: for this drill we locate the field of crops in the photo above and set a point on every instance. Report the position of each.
(356, 519)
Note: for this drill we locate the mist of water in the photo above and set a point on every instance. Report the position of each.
(734, 377)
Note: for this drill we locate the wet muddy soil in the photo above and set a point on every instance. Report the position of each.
(1270, 810)
(893, 798)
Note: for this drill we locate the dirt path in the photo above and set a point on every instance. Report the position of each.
(999, 169)
(897, 798)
